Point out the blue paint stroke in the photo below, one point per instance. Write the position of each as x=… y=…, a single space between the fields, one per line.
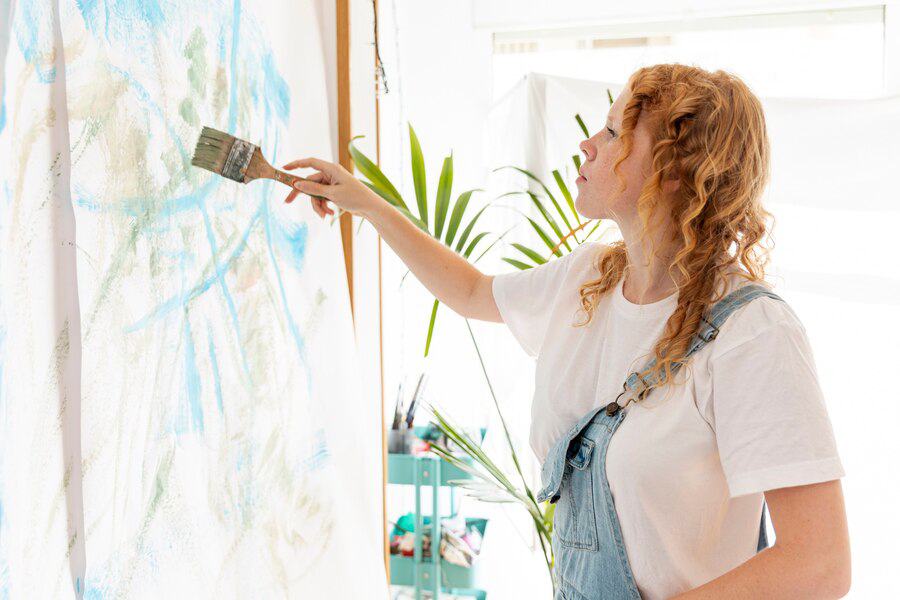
x=295 y=332
x=276 y=89
x=265 y=193
x=201 y=198
x=319 y=455
x=88 y=10
x=290 y=239
x=130 y=12
x=183 y=298
x=139 y=206
x=191 y=383
x=217 y=379
x=220 y=277
x=221 y=44
x=147 y=99
x=232 y=92
x=36 y=26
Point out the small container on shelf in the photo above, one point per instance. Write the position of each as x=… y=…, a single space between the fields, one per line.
x=428 y=469
x=454 y=579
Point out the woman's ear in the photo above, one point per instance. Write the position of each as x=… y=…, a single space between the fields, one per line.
x=671 y=183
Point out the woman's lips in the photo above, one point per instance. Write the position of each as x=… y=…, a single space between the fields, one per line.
x=580 y=178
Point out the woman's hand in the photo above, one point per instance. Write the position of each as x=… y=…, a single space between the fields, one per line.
x=334 y=183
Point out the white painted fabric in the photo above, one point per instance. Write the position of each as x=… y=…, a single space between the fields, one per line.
x=687 y=468
x=181 y=414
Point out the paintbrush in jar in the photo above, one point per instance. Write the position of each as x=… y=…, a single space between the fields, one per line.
x=236 y=159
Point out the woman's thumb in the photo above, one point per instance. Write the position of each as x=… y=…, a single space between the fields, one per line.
x=310 y=187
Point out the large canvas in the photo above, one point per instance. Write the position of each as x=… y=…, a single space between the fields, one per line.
x=180 y=414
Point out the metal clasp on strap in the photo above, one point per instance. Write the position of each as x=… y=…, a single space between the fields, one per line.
x=613 y=407
x=712 y=335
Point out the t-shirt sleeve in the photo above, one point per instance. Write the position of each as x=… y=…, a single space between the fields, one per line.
x=772 y=426
x=526 y=299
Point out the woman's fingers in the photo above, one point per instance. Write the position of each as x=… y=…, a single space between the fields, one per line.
x=312 y=188
x=321 y=207
x=317 y=186
x=315 y=163
x=315 y=177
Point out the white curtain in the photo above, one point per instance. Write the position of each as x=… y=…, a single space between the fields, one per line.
x=180 y=415
x=835 y=260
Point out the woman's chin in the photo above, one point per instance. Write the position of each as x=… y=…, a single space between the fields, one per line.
x=587 y=212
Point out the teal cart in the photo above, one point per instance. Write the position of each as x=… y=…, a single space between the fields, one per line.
x=434 y=574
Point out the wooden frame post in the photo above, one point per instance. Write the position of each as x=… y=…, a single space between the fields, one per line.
x=342 y=15
x=343 y=96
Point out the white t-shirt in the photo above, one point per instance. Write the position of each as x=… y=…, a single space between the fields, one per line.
x=688 y=465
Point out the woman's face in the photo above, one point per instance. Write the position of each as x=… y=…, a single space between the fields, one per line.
x=598 y=189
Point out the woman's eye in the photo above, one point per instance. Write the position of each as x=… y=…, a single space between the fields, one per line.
x=611 y=132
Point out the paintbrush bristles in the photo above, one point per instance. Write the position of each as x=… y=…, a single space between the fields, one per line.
x=234 y=158
x=212 y=149
x=224 y=154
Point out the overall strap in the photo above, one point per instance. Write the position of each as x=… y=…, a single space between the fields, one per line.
x=716 y=316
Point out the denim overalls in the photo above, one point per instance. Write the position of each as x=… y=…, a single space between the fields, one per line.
x=590 y=559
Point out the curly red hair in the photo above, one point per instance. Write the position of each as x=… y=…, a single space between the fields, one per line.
x=709 y=132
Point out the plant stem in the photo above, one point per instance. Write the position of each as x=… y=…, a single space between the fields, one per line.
x=567 y=236
x=539 y=526
x=497 y=405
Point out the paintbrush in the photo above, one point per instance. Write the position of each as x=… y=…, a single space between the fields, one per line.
x=237 y=159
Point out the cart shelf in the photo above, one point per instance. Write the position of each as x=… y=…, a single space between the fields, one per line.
x=438 y=576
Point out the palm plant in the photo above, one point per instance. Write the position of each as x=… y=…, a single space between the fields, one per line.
x=567 y=230
x=382 y=186
x=490 y=484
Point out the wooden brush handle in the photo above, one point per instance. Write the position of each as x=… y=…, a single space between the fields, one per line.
x=289 y=179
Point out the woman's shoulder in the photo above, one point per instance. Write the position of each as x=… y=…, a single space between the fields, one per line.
x=585 y=254
x=755 y=317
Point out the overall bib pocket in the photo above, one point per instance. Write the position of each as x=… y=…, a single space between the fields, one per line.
x=574 y=519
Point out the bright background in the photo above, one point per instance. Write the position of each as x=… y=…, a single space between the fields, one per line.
x=829 y=75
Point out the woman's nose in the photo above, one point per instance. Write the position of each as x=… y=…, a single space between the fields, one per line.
x=585 y=147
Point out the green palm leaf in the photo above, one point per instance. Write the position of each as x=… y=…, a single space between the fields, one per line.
x=380 y=184
x=468 y=230
x=565 y=192
x=431 y=326
x=581 y=124
x=556 y=229
x=546 y=190
x=443 y=196
x=418 y=171
x=599 y=222
x=517 y=264
x=474 y=243
x=537 y=258
x=459 y=208
x=546 y=238
x=499 y=237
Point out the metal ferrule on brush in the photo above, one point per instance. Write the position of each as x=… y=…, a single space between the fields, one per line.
x=238 y=160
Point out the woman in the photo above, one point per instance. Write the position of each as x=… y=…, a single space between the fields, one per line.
x=670 y=505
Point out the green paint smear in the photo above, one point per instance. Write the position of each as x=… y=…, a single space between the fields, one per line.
x=188 y=113
x=195 y=52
